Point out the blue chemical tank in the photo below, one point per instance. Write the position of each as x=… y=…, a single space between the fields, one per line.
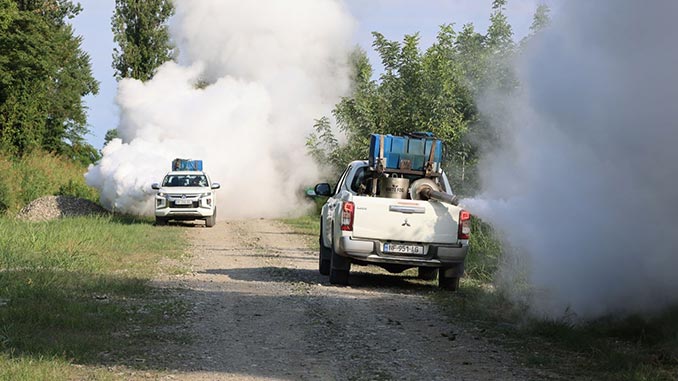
x=186 y=165
x=399 y=150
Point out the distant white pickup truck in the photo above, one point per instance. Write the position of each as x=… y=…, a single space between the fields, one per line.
x=185 y=196
x=395 y=234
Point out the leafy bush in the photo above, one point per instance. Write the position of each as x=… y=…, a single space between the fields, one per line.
x=484 y=251
x=77 y=189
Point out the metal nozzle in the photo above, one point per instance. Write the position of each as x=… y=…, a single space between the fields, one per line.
x=427 y=193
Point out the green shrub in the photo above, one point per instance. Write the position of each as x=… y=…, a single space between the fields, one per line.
x=484 y=251
x=78 y=189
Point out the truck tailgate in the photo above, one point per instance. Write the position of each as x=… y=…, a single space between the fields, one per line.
x=405 y=220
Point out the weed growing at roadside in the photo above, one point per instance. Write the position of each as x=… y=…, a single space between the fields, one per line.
x=484 y=252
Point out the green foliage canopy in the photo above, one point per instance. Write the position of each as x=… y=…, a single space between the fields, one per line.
x=434 y=90
x=110 y=135
x=44 y=74
x=141 y=32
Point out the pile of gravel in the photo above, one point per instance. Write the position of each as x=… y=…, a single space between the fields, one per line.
x=53 y=207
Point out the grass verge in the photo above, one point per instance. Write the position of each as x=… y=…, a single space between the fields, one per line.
x=307 y=225
x=76 y=292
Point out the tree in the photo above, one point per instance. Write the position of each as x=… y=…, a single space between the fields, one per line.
x=499 y=33
x=141 y=32
x=541 y=18
x=43 y=76
x=356 y=119
x=418 y=91
x=110 y=135
x=499 y=74
x=472 y=55
x=435 y=91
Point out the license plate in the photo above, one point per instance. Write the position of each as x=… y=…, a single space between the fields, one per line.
x=403 y=249
x=183 y=202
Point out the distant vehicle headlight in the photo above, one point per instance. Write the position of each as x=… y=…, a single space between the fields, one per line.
x=206 y=194
x=161 y=194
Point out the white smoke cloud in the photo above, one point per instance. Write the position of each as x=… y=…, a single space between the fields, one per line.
x=271 y=68
x=583 y=188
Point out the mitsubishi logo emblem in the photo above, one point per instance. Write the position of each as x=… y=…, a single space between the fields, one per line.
x=184 y=197
x=406 y=223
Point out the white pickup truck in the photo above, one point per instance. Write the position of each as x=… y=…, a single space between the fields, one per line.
x=184 y=196
x=395 y=234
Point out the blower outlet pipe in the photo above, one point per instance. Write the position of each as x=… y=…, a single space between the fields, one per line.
x=427 y=193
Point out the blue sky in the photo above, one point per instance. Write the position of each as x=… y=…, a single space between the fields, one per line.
x=393 y=18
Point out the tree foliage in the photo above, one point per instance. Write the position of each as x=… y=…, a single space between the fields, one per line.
x=110 y=135
x=434 y=90
x=541 y=19
x=44 y=74
x=141 y=32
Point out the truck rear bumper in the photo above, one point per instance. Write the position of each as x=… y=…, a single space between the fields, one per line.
x=436 y=255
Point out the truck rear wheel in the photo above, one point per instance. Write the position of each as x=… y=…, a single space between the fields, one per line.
x=339 y=268
x=324 y=256
x=427 y=273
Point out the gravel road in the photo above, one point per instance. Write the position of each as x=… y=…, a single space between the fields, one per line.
x=263 y=312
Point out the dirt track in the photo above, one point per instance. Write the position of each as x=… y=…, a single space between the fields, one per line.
x=262 y=311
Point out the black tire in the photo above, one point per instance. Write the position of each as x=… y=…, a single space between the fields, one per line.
x=324 y=256
x=211 y=220
x=448 y=283
x=427 y=273
x=160 y=221
x=339 y=268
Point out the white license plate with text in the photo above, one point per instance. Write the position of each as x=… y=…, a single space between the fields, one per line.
x=396 y=248
x=183 y=202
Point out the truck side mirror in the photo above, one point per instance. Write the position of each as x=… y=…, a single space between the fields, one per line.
x=216 y=186
x=323 y=189
x=155 y=186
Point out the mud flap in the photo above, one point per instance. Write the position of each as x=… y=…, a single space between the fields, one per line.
x=456 y=271
x=340 y=262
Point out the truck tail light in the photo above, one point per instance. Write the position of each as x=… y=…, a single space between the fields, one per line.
x=464 y=225
x=347 y=213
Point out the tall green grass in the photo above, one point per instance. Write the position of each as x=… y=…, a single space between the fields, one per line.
x=75 y=288
x=484 y=252
x=93 y=244
x=40 y=174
